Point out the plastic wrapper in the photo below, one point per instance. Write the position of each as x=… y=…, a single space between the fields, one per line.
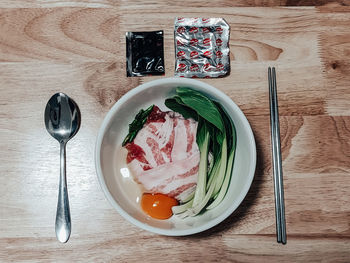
x=201 y=47
x=144 y=53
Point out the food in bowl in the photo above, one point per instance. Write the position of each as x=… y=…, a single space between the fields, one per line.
x=181 y=159
x=124 y=194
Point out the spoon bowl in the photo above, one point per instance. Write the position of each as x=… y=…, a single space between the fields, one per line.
x=62 y=117
x=62 y=121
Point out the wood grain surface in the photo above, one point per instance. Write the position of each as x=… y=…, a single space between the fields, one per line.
x=78 y=47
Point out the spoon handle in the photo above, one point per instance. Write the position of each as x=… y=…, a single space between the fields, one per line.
x=63 y=223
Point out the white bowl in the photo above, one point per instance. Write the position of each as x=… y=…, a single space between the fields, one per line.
x=109 y=160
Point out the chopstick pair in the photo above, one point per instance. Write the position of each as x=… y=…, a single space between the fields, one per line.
x=277 y=159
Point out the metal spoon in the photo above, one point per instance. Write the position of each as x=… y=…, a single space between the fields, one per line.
x=62 y=121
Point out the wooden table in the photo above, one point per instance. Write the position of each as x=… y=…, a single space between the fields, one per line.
x=78 y=47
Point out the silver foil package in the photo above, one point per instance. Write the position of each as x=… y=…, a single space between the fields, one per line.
x=201 y=47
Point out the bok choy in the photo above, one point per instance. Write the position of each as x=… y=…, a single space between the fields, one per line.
x=216 y=137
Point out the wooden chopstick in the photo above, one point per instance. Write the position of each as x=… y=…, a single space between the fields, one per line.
x=277 y=159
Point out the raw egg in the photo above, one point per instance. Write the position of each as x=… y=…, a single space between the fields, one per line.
x=158 y=205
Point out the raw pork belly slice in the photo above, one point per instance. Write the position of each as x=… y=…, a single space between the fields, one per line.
x=164 y=156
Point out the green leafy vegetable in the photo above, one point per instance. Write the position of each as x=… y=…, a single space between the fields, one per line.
x=203 y=144
x=182 y=208
x=220 y=175
x=175 y=104
x=202 y=105
x=216 y=136
x=231 y=143
x=137 y=124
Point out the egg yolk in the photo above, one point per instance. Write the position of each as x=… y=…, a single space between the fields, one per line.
x=158 y=205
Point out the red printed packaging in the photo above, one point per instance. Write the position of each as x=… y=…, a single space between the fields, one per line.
x=201 y=47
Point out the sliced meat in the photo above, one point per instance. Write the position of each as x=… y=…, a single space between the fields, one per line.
x=164 y=156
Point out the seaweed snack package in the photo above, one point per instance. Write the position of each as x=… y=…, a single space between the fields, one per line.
x=144 y=53
x=201 y=47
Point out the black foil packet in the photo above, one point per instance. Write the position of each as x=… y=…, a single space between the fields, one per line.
x=144 y=53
